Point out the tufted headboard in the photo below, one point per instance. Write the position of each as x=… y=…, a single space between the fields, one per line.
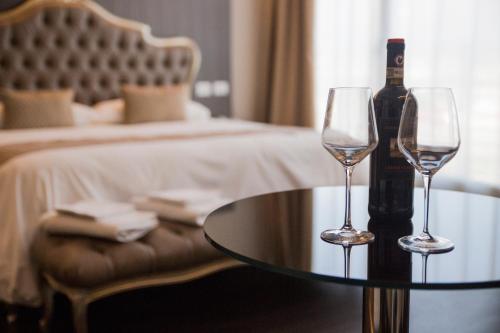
x=53 y=44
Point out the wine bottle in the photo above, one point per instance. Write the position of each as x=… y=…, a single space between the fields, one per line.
x=391 y=176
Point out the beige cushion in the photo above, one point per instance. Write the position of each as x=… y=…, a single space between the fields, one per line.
x=88 y=262
x=35 y=109
x=83 y=115
x=162 y=103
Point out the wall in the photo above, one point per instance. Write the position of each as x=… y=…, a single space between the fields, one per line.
x=206 y=21
x=8 y=4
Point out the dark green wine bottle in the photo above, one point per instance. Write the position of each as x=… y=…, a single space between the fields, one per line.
x=391 y=176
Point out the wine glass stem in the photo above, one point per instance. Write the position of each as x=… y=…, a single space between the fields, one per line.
x=427 y=188
x=348 y=175
x=347 y=261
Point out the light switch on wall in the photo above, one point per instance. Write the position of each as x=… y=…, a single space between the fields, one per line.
x=220 y=88
x=203 y=89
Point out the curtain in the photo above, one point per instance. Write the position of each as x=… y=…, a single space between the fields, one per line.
x=285 y=62
x=451 y=43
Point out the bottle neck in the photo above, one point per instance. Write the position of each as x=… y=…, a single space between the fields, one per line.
x=395 y=65
x=394 y=82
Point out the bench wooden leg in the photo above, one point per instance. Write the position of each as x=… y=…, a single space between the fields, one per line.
x=11 y=315
x=79 y=304
x=48 y=307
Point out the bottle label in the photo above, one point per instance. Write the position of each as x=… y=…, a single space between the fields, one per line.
x=395 y=66
x=395 y=72
x=395 y=166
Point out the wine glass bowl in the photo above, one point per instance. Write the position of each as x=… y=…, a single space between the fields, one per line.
x=428 y=137
x=349 y=135
x=349 y=131
x=428 y=133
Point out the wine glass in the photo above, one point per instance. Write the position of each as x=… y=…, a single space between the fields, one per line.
x=428 y=137
x=349 y=134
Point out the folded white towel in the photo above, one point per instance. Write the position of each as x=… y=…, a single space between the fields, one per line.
x=95 y=209
x=184 y=197
x=193 y=214
x=122 y=228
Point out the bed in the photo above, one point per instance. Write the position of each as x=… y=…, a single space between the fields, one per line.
x=53 y=44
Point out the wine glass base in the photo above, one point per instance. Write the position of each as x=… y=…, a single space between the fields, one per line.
x=347 y=237
x=424 y=245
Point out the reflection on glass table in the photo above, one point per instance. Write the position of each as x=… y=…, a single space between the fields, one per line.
x=280 y=232
x=347 y=261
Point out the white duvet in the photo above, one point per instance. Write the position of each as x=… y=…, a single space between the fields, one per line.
x=263 y=159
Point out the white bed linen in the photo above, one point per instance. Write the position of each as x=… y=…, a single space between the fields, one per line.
x=238 y=165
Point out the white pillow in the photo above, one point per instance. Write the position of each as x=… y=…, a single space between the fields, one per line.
x=197 y=112
x=82 y=114
x=112 y=112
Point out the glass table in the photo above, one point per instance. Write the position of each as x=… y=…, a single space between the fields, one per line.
x=280 y=232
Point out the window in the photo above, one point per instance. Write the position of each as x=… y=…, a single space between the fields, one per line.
x=452 y=43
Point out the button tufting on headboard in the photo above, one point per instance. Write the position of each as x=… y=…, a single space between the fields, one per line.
x=52 y=44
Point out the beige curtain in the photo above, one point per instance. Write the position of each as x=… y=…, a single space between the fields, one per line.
x=285 y=62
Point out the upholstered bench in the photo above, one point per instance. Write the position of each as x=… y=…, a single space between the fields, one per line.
x=86 y=269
